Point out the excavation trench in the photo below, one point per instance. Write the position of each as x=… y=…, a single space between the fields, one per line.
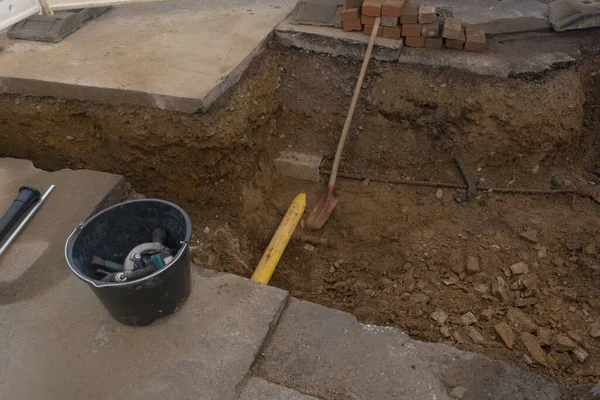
x=391 y=254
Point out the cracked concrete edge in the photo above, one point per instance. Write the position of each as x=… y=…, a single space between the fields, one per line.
x=258 y=388
x=334 y=41
x=240 y=387
x=234 y=76
x=34 y=87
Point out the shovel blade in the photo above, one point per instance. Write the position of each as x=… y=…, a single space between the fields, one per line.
x=323 y=209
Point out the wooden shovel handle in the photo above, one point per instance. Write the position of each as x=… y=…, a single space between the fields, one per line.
x=361 y=78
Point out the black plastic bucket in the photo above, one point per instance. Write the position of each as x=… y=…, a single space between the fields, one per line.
x=111 y=234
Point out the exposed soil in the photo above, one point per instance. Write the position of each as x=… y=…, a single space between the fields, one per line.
x=390 y=254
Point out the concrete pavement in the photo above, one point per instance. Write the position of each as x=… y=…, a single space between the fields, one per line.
x=175 y=55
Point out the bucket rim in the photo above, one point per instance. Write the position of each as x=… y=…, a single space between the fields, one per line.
x=99 y=284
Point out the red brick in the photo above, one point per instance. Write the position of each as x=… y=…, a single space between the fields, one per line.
x=392 y=8
x=427 y=15
x=456 y=44
x=391 y=33
x=430 y=30
x=368 y=20
x=411 y=30
x=410 y=14
x=475 y=39
x=352 y=26
x=369 y=29
x=352 y=4
x=414 y=41
x=452 y=28
x=434 y=42
x=351 y=14
x=372 y=7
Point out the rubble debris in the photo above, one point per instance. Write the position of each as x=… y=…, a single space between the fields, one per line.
x=506 y=334
x=519 y=268
x=472 y=265
x=468 y=318
x=563 y=344
x=520 y=320
x=534 y=348
x=530 y=236
x=439 y=315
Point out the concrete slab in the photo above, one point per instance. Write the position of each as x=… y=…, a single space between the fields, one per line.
x=334 y=41
x=176 y=55
x=522 y=54
x=499 y=17
x=34 y=263
x=62 y=344
x=327 y=353
x=258 y=389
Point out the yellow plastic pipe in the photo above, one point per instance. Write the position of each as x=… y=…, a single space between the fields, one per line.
x=282 y=236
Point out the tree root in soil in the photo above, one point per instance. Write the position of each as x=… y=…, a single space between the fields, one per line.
x=491 y=189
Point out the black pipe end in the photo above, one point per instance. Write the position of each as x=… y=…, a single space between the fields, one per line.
x=36 y=193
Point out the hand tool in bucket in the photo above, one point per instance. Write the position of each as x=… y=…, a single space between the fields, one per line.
x=320 y=214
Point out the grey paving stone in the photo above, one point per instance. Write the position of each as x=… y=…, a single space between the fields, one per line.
x=329 y=354
x=258 y=389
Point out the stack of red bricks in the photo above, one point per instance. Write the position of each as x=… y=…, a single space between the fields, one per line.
x=419 y=25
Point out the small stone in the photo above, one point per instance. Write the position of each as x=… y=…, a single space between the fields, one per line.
x=458 y=392
x=211 y=260
x=439 y=315
x=475 y=335
x=595 y=329
x=365 y=183
x=544 y=336
x=460 y=338
x=520 y=320
x=472 y=265
x=543 y=252
x=419 y=298
x=309 y=247
x=563 y=344
x=196 y=261
x=526 y=302
x=527 y=359
x=332 y=269
x=439 y=193
x=428 y=233
x=206 y=230
x=506 y=334
x=341 y=287
x=534 y=348
x=468 y=319
x=501 y=291
x=570 y=295
x=580 y=353
x=487 y=314
x=530 y=236
x=558 y=262
x=590 y=249
x=574 y=336
x=451 y=280
x=530 y=281
x=519 y=268
x=445 y=331
x=70 y=138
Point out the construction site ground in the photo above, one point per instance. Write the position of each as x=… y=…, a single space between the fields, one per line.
x=455 y=276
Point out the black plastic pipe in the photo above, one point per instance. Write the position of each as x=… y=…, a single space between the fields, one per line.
x=26 y=197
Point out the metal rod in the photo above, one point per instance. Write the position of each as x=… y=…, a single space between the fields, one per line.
x=25 y=220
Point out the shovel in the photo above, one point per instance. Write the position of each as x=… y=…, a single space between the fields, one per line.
x=320 y=214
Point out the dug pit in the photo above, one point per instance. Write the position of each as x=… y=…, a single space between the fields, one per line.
x=510 y=276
